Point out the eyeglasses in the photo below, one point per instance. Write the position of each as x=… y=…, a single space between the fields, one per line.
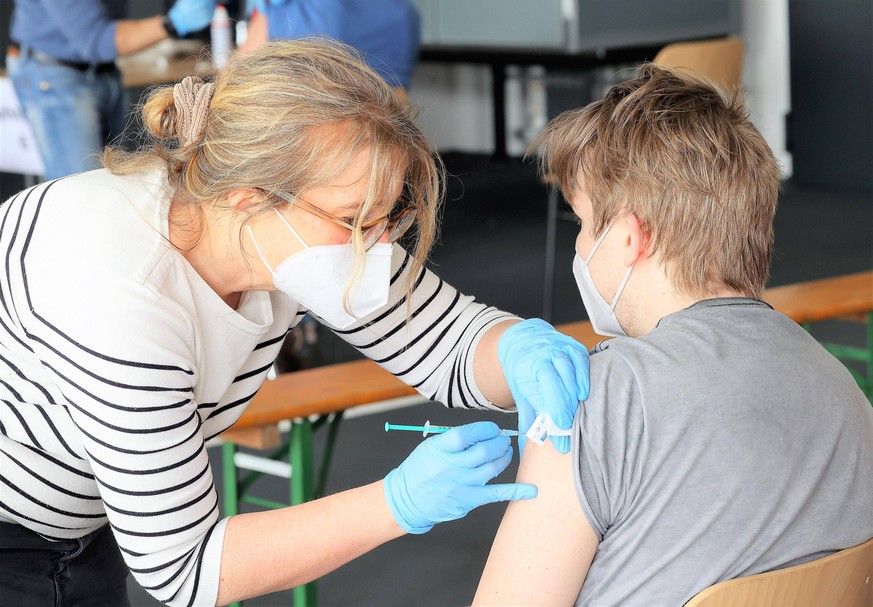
x=397 y=223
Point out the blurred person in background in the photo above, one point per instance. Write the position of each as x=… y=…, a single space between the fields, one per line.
x=386 y=32
x=62 y=65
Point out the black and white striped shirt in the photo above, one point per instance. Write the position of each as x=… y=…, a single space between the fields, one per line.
x=118 y=362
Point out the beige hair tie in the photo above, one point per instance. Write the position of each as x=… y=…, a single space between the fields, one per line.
x=191 y=97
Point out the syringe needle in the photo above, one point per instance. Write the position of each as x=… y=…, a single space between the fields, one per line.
x=428 y=429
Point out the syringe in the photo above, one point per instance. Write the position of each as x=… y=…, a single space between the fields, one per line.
x=428 y=429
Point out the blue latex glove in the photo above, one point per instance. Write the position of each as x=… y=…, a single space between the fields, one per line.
x=191 y=15
x=444 y=477
x=547 y=372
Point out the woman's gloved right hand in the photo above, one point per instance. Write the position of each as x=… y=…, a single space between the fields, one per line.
x=445 y=477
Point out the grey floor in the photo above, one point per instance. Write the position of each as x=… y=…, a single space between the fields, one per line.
x=492 y=246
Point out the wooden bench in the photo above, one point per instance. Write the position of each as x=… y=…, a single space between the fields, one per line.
x=315 y=397
x=849 y=296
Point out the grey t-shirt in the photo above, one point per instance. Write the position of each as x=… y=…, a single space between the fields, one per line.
x=724 y=443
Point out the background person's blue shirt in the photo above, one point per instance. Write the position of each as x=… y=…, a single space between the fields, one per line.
x=387 y=32
x=81 y=31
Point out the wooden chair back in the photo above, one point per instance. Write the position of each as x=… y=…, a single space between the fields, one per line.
x=720 y=59
x=841 y=579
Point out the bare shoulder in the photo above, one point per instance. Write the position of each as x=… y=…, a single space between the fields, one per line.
x=545 y=545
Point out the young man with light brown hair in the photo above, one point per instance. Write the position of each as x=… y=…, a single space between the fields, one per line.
x=719 y=439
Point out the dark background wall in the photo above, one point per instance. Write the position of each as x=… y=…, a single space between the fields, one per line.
x=5 y=14
x=831 y=125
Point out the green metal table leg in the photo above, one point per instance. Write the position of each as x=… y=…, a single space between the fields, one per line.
x=301 y=461
x=231 y=485
x=231 y=482
x=301 y=490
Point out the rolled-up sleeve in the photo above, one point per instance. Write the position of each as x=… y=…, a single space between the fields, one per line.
x=607 y=432
x=428 y=337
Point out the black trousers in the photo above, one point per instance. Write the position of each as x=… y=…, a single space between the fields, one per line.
x=84 y=572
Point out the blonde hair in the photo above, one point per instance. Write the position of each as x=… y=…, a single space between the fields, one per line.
x=289 y=117
x=683 y=156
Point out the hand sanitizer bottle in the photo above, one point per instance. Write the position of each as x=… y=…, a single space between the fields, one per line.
x=222 y=38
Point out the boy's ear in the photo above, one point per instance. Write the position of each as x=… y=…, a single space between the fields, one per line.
x=243 y=199
x=637 y=240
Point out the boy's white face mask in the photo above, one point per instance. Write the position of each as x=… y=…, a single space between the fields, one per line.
x=316 y=277
x=601 y=313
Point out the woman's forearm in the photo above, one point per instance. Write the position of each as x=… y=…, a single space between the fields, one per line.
x=134 y=35
x=279 y=549
x=487 y=369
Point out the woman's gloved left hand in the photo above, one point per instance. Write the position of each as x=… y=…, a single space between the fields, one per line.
x=547 y=372
x=444 y=477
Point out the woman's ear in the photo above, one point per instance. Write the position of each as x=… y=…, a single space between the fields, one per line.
x=637 y=240
x=243 y=199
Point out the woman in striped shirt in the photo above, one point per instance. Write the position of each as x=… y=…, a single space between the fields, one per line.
x=143 y=304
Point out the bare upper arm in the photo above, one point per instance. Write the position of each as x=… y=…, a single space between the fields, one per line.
x=544 y=546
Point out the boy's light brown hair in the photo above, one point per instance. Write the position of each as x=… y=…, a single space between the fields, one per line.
x=683 y=156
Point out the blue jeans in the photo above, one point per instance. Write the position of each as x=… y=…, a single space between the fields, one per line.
x=73 y=112
x=85 y=572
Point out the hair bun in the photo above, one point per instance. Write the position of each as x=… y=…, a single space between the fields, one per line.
x=180 y=111
x=159 y=114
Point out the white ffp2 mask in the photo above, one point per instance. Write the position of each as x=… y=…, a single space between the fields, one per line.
x=600 y=313
x=317 y=278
